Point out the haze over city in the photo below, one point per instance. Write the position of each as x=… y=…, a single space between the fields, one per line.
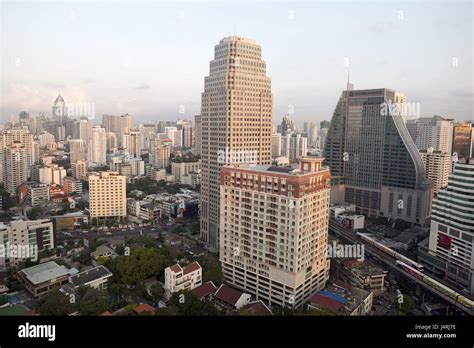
x=148 y=59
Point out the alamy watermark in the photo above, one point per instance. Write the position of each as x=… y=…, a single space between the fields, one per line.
x=77 y=110
x=19 y=251
x=230 y=156
x=409 y=110
x=345 y=251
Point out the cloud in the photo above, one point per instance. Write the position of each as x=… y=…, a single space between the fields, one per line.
x=143 y=86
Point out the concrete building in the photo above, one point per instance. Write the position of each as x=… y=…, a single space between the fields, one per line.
x=276 y=145
x=437 y=166
x=180 y=169
x=119 y=125
x=179 y=278
x=43 y=279
x=311 y=132
x=96 y=277
x=159 y=155
x=52 y=174
x=79 y=170
x=98 y=148
x=28 y=237
x=77 y=149
x=237 y=92
x=131 y=142
x=274 y=224
x=435 y=132
x=374 y=161
x=449 y=252
x=107 y=195
x=15 y=166
x=72 y=185
x=294 y=146
x=197 y=134
x=463 y=140
x=37 y=194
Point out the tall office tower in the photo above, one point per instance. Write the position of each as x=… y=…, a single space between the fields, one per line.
x=311 y=132
x=159 y=155
x=112 y=142
x=186 y=129
x=132 y=143
x=79 y=169
x=294 y=146
x=322 y=134
x=83 y=130
x=52 y=174
x=236 y=115
x=59 y=109
x=70 y=127
x=276 y=145
x=77 y=149
x=119 y=125
x=449 y=252
x=373 y=160
x=107 y=195
x=22 y=135
x=437 y=167
x=435 y=132
x=197 y=134
x=98 y=146
x=287 y=126
x=463 y=140
x=274 y=230
x=15 y=166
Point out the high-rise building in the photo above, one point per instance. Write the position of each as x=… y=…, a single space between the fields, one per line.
x=59 y=109
x=274 y=230
x=311 y=132
x=131 y=142
x=463 y=140
x=236 y=115
x=98 y=148
x=323 y=133
x=83 y=130
x=52 y=174
x=79 y=170
x=15 y=166
x=107 y=195
x=186 y=129
x=287 y=126
x=197 y=134
x=72 y=185
x=294 y=146
x=437 y=167
x=46 y=139
x=276 y=145
x=112 y=142
x=23 y=136
x=449 y=251
x=435 y=132
x=159 y=155
x=77 y=149
x=119 y=125
x=373 y=160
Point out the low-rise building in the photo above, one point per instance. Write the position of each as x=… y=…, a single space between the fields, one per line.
x=184 y=168
x=42 y=279
x=179 y=278
x=72 y=185
x=97 y=277
x=37 y=194
x=102 y=251
x=230 y=299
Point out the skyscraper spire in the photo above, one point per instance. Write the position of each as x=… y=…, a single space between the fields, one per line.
x=349 y=86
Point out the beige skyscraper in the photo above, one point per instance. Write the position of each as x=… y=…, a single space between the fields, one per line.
x=273 y=230
x=131 y=142
x=437 y=166
x=236 y=116
x=98 y=147
x=107 y=195
x=119 y=125
x=77 y=149
x=79 y=170
x=197 y=134
x=15 y=166
x=159 y=154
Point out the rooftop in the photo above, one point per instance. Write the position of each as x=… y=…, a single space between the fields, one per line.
x=228 y=295
x=89 y=275
x=204 y=290
x=44 y=272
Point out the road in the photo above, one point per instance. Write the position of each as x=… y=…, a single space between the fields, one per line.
x=389 y=261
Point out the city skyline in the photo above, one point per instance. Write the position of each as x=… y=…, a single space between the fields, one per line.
x=102 y=62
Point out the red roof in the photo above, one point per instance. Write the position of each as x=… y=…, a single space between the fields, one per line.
x=144 y=308
x=106 y=314
x=191 y=267
x=167 y=140
x=176 y=268
x=204 y=290
x=326 y=302
x=258 y=308
x=228 y=295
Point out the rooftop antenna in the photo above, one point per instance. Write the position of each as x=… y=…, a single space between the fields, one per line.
x=349 y=86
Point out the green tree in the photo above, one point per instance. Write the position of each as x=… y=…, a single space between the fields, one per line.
x=157 y=291
x=407 y=306
x=56 y=304
x=213 y=274
x=186 y=303
x=94 y=302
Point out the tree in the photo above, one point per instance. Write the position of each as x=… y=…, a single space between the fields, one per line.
x=406 y=307
x=56 y=304
x=213 y=274
x=186 y=303
x=157 y=291
x=94 y=302
x=35 y=212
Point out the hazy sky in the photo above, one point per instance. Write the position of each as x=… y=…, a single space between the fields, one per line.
x=148 y=58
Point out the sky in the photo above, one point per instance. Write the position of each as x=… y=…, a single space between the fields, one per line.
x=149 y=59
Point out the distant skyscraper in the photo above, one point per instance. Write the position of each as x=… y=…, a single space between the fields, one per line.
x=276 y=145
x=463 y=140
x=236 y=113
x=284 y=262
x=197 y=134
x=373 y=161
x=59 y=109
x=79 y=170
x=311 y=132
x=435 y=132
x=77 y=149
x=98 y=147
x=83 y=130
x=294 y=146
x=159 y=154
x=185 y=127
x=287 y=126
x=15 y=166
x=132 y=143
x=119 y=125
x=449 y=252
